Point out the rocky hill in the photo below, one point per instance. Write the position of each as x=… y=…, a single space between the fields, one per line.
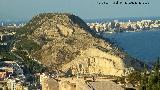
x=63 y=41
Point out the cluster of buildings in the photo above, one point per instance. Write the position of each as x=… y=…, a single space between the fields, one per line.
x=117 y=26
x=11 y=76
x=12 y=25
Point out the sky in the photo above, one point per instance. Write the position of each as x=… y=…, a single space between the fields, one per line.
x=86 y=9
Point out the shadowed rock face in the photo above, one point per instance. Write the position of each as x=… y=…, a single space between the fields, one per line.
x=64 y=40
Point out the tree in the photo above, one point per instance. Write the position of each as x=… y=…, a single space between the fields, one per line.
x=152 y=80
x=144 y=79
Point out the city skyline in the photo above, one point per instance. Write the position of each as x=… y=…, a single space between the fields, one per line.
x=86 y=9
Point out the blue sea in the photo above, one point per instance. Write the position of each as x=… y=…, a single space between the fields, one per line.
x=144 y=45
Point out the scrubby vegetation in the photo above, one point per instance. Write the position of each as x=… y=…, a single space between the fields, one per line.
x=146 y=79
x=151 y=80
x=30 y=65
x=28 y=45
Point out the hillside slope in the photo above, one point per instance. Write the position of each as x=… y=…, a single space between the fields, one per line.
x=62 y=41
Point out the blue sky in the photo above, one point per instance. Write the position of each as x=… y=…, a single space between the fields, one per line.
x=86 y=9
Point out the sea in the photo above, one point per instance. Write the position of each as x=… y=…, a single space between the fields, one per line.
x=143 y=45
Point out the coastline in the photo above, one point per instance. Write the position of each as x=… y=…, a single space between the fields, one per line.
x=113 y=32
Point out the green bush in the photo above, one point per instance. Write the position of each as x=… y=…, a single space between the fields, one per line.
x=28 y=45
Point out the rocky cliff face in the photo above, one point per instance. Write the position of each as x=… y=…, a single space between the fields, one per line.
x=95 y=61
x=63 y=41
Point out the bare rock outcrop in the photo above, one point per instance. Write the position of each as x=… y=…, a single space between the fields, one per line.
x=95 y=61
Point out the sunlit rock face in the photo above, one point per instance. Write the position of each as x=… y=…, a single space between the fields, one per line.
x=95 y=61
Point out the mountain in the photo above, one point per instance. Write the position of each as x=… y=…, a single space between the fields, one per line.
x=64 y=41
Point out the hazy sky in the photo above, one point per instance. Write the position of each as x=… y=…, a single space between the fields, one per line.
x=86 y=9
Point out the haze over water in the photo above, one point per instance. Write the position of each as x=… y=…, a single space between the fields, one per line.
x=144 y=45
